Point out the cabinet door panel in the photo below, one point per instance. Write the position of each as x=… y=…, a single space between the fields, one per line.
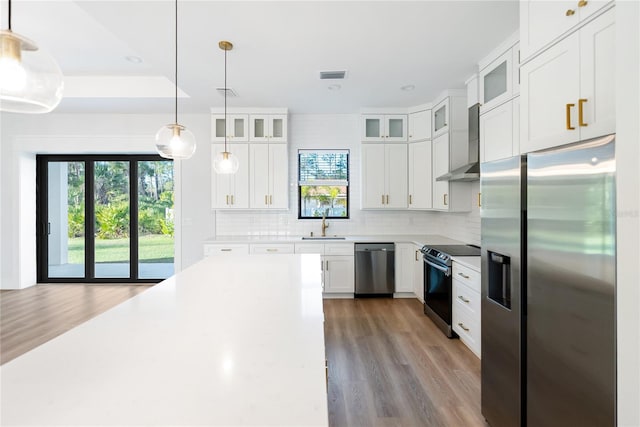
x=496 y=81
x=543 y=21
x=279 y=176
x=420 y=125
x=259 y=127
x=404 y=267
x=597 y=79
x=220 y=183
x=420 y=177
x=339 y=274
x=373 y=128
x=239 y=182
x=373 y=164
x=440 y=115
x=440 y=167
x=396 y=128
x=259 y=176
x=549 y=82
x=418 y=274
x=278 y=128
x=496 y=133
x=396 y=173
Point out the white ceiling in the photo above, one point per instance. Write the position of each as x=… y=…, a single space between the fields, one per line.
x=279 y=49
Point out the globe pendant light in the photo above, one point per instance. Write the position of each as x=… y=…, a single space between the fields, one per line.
x=174 y=141
x=30 y=80
x=225 y=162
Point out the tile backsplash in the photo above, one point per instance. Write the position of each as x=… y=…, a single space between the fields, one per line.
x=341 y=131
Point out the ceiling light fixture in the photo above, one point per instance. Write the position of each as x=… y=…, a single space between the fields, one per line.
x=174 y=141
x=133 y=59
x=225 y=162
x=30 y=80
x=408 y=88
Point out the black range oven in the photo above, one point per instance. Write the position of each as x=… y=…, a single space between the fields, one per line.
x=438 y=282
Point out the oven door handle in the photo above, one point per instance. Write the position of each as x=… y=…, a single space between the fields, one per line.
x=445 y=270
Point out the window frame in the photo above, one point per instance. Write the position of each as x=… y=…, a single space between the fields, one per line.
x=329 y=183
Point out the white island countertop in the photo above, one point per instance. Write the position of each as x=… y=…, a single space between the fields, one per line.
x=225 y=342
x=418 y=239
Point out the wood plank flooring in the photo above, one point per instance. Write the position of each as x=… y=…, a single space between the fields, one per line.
x=32 y=316
x=388 y=363
x=390 y=366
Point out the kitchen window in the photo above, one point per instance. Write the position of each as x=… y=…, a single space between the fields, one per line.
x=323 y=184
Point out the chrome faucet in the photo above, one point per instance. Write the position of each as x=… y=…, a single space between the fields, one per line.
x=325 y=225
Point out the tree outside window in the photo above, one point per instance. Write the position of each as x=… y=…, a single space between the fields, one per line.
x=323 y=183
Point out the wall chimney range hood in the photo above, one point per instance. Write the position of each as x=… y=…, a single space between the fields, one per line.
x=470 y=171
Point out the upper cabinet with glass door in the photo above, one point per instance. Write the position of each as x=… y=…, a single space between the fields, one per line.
x=384 y=128
x=268 y=128
x=236 y=127
x=499 y=79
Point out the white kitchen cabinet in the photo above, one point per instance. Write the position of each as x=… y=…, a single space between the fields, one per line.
x=496 y=133
x=449 y=196
x=568 y=90
x=420 y=125
x=214 y=249
x=231 y=191
x=404 y=268
x=544 y=22
x=466 y=317
x=268 y=176
x=337 y=264
x=236 y=127
x=418 y=273
x=271 y=248
x=420 y=176
x=384 y=176
x=496 y=81
x=473 y=95
x=268 y=127
x=384 y=127
x=441 y=117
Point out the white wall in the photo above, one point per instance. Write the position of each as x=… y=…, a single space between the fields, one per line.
x=628 y=200
x=24 y=136
x=342 y=131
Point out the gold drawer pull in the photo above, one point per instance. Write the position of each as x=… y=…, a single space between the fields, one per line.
x=569 y=127
x=383 y=199
x=272 y=250
x=479 y=200
x=582 y=3
x=463 y=327
x=460 y=297
x=570 y=12
x=410 y=199
x=226 y=250
x=444 y=199
x=580 y=112
x=463 y=275
x=387 y=199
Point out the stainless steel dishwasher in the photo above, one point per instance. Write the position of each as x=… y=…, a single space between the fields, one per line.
x=375 y=269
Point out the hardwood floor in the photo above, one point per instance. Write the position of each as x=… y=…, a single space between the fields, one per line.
x=32 y=316
x=388 y=363
x=390 y=366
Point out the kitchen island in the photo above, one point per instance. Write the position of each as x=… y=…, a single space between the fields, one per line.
x=229 y=341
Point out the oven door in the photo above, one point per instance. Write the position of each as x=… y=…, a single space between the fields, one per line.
x=437 y=294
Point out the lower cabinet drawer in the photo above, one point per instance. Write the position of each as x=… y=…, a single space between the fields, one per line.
x=220 y=249
x=466 y=298
x=279 y=248
x=309 y=248
x=467 y=328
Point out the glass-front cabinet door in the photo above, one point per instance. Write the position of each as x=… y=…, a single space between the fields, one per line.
x=237 y=128
x=496 y=81
x=441 y=117
x=396 y=128
x=384 y=128
x=372 y=128
x=268 y=128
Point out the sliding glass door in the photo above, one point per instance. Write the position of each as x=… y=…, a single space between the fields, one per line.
x=105 y=218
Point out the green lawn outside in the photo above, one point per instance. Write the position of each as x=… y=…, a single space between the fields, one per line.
x=152 y=248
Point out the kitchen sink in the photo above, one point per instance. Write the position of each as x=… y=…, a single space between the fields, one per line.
x=323 y=238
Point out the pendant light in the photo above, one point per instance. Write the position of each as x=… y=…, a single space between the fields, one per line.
x=174 y=141
x=30 y=80
x=225 y=162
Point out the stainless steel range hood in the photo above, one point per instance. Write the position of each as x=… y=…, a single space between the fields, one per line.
x=470 y=171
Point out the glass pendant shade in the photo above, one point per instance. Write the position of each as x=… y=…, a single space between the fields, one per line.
x=30 y=80
x=176 y=142
x=226 y=162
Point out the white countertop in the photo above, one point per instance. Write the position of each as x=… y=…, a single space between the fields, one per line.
x=473 y=262
x=424 y=239
x=225 y=342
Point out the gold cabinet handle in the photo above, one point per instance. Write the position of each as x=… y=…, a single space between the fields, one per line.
x=582 y=3
x=479 y=199
x=460 y=297
x=581 y=102
x=383 y=199
x=232 y=202
x=327 y=265
x=272 y=250
x=416 y=256
x=463 y=327
x=387 y=199
x=445 y=199
x=569 y=127
x=226 y=250
x=227 y=199
x=463 y=275
x=570 y=12
x=410 y=199
x=270 y=199
x=266 y=200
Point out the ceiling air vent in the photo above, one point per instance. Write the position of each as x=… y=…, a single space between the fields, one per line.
x=230 y=92
x=332 y=75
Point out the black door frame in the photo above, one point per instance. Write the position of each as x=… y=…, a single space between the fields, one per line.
x=42 y=215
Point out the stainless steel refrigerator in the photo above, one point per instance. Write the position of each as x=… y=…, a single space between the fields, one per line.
x=548 y=287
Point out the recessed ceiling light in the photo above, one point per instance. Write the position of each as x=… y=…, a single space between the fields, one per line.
x=408 y=88
x=133 y=59
x=334 y=87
